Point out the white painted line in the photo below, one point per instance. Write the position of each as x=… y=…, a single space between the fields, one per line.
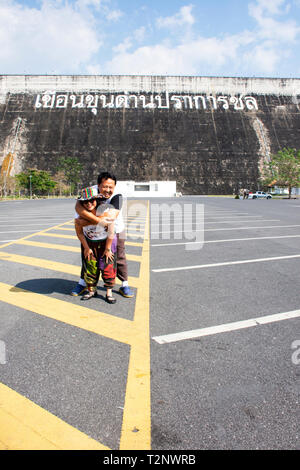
x=233 y=228
x=232 y=217
x=228 y=263
x=240 y=217
x=38 y=216
x=246 y=228
x=229 y=228
x=170 y=224
x=227 y=240
x=19 y=231
x=28 y=225
x=226 y=327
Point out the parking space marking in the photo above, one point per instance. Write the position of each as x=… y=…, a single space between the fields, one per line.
x=103 y=324
x=226 y=240
x=27 y=426
x=226 y=327
x=227 y=263
x=73 y=249
x=180 y=224
x=263 y=227
x=225 y=229
x=35 y=234
x=53 y=265
x=18 y=231
x=29 y=225
x=136 y=425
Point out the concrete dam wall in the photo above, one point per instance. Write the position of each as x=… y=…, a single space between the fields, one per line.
x=210 y=134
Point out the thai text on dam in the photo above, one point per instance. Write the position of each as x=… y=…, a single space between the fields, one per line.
x=50 y=100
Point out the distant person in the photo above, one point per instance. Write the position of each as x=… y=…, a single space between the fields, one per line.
x=99 y=246
x=106 y=186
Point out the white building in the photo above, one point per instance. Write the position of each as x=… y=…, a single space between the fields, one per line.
x=147 y=189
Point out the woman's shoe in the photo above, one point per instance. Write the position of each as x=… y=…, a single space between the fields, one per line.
x=109 y=299
x=89 y=295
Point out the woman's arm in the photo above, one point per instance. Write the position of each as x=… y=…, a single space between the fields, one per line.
x=79 y=232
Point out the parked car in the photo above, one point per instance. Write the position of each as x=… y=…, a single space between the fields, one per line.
x=259 y=195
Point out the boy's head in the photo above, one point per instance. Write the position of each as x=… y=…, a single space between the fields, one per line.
x=106 y=184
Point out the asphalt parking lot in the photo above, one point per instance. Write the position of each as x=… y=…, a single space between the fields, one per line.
x=206 y=355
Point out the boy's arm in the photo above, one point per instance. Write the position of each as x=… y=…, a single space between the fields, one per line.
x=110 y=236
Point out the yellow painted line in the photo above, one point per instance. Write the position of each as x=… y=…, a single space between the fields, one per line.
x=27 y=426
x=53 y=265
x=53 y=246
x=133 y=244
x=136 y=426
x=57 y=235
x=139 y=224
x=42 y=232
x=73 y=249
x=71 y=237
x=131 y=235
x=103 y=324
x=138 y=219
x=73 y=229
x=136 y=258
x=41 y=263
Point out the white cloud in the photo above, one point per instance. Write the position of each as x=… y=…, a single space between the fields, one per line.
x=52 y=39
x=183 y=17
x=139 y=34
x=66 y=36
x=272 y=7
x=259 y=51
x=123 y=46
x=263 y=11
x=113 y=15
x=190 y=57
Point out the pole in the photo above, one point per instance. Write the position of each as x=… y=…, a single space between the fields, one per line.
x=30 y=176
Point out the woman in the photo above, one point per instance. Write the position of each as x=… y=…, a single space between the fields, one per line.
x=99 y=246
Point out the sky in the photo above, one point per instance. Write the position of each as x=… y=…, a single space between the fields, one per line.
x=255 y=38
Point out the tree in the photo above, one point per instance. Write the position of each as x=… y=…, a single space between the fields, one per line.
x=36 y=181
x=282 y=170
x=71 y=168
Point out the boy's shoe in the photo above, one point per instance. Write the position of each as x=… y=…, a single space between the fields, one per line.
x=78 y=290
x=126 y=292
